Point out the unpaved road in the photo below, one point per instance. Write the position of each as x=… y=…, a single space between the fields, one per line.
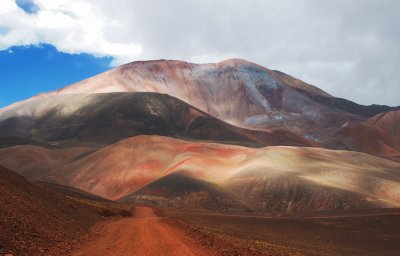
x=143 y=234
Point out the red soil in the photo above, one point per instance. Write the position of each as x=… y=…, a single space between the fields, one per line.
x=377 y=136
x=144 y=234
x=387 y=121
x=34 y=218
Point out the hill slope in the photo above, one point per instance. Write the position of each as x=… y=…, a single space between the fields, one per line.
x=103 y=119
x=34 y=219
x=268 y=179
x=180 y=191
x=379 y=135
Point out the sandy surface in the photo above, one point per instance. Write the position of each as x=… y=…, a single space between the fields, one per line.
x=143 y=234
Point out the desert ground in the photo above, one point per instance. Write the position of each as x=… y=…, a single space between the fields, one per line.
x=152 y=231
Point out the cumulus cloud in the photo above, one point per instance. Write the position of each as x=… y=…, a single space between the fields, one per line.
x=351 y=49
x=71 y=26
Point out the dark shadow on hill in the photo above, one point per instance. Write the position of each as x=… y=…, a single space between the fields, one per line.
x=183 y=192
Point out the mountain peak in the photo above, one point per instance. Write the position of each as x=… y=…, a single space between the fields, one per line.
x=235 y=61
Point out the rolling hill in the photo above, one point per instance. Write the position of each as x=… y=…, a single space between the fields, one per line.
x=274 y=178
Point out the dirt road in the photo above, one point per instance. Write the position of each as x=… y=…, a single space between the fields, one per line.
x=143 y=234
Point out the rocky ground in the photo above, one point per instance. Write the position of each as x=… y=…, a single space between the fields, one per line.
x=35 y=220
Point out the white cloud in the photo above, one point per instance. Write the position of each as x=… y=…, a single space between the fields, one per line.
x=349 y=48
x=71 y=26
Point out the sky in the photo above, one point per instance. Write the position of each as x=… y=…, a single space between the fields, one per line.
x=30 y=70
x=351 y=49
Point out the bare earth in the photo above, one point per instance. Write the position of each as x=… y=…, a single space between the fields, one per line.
x=143 y=234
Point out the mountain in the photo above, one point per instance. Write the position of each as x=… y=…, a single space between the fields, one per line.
x=221 y=98
x=102 y=119
x=379 y=135
x=387 y=121
x=275 y=178
x=236 y=91
x=240 y=136
x=349 y=106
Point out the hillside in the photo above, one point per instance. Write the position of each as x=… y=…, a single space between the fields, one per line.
x=183 y=192
x=102 y=119
x=35 y=220
x=268 y=179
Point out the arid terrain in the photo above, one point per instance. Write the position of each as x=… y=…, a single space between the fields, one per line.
x=167 y=157
x=343 y=233
x=36 y=217
x=143 y=234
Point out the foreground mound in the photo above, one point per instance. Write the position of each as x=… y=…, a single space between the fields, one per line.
x=34 y=218
x=180 y=191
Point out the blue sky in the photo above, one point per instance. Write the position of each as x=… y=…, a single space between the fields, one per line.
x=29 y=70
x=28 y=6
